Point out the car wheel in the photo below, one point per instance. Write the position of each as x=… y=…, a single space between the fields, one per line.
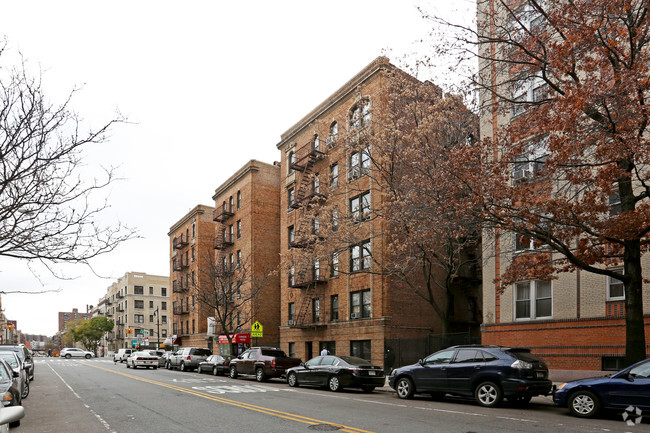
x=25 y=390
x=135 y=367
x=215 y=371
x=405 y=388
x=182 y=367
x=233 y=373
x=520 y=401
x=88 y=356
x=292 y=379
x=488 y=394
x=584 y=404
x=334 y=383
x=168 y=366
x=14 y=424
x=127 y=365
x=68 y=356
x=198 y=370
x=260 y=376
x=155 y=368
x=367 y=388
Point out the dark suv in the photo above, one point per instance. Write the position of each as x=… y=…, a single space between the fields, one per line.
x=487 y=373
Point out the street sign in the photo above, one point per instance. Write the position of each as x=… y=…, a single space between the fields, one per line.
x=146 y=332
x=257 y=330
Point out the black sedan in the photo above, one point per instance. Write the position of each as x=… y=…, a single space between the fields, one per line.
x=337 y=372
x=215 y=364
x=628 y=390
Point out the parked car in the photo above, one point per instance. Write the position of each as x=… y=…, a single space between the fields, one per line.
x=337 y=372
x=10 y=416
x=122 y=354
x=161 y=356
x=263 y=363
x=24 y=354
x=73 y=352
x=188 y=358
x=8 y=389
x=586 y=397
x=216 y=364
x=487 y=373
x=22 y=381
x=142 y=358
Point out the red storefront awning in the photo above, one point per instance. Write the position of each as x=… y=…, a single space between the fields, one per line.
x=236 y=338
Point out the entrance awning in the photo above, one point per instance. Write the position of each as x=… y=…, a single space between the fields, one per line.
x=236 y=338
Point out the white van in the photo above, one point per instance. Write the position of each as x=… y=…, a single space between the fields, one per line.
x=122 y=354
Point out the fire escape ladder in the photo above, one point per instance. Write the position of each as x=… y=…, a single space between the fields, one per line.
x=303 y=313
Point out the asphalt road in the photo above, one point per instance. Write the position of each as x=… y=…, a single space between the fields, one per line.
x=97 y=396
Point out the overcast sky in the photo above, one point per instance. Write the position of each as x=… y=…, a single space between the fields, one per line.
x=207 y=85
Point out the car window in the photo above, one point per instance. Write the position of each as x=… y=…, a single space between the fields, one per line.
x=271 y=352
x=468 y=355
x=11 y=360
x=487 y=356
x=4 y=374
x=314 y=361
x=353 y=360
x=440 y=358
x=202 y=352
x=328 y=360
x=641 y=371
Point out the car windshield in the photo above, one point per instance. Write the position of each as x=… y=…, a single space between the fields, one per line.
x=273 y=352
x=18 y=352
x=4 y=374
x=11 y=360
x=202 y=352
x=352 y=360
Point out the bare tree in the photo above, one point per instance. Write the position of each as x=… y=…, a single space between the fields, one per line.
x=50 y=210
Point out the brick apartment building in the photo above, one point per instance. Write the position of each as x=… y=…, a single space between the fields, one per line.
x=246 y=254
x=138 y=304
x=575 y=322
x=191 y=245
x=66 y=317
x=338 y=300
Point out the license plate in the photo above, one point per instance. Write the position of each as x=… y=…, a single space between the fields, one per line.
x=371 y=373
x=539 y=374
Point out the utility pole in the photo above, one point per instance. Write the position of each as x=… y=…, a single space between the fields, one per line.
x=158 y=328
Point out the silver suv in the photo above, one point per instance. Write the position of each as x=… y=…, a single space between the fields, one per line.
x=122 y=354
x=24 y=354
x=188 y=358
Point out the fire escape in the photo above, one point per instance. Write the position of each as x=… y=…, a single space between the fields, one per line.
x=308 y=192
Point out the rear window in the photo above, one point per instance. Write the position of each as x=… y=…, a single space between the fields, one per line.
x=275 y=353
x=355 y=361
x=202 y=352
x=523 y=354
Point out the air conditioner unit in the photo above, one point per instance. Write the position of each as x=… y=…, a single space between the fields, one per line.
x=354 y=173
x=290 y=323
x=355 y=316
x=522 y=174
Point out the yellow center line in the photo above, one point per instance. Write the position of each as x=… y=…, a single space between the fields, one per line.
x=248 y=406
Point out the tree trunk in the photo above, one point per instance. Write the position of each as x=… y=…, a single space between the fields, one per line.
x=635 y=345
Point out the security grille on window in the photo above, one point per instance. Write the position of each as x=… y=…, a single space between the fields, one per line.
x=360 y=255
x=533 y=300
x=360 y=207
x=360 y=304
x=315 y=185
x=334 y=131
x=615 y=287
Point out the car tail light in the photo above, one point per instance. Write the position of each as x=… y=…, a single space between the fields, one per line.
x=189 y=358
x=7 y=396
x=273 y=363
x=522 y=365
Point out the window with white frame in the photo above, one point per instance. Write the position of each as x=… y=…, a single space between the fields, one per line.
x=527 y=92
x=360 y=207
x=531 y=162
x=292 y=276
x=335 y=264
x=316 y=270
x=360 y=115
x=533 y=300
x=334 y=132
x=615 y=287
x=360 y=304
x=292 y=235
x=335 y=220
x=359 y=163
x=291 y=159
x=360 y=255
x=334 y=175
x=290 y=197
x=316 y=143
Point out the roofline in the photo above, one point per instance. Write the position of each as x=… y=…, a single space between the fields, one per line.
x=197 y=210
x=249 y=167
x=366 y=73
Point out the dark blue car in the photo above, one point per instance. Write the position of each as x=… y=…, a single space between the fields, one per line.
x=586 y=397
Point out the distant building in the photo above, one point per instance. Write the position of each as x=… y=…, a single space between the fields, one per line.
x=65 y=318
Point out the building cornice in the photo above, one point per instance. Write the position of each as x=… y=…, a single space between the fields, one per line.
x=198 y=210
x=251 y=166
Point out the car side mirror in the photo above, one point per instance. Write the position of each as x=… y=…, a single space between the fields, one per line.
x=421 y=361
x=302 y=364
x=16 y=373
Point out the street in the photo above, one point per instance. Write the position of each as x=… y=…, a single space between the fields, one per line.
x=97 y=396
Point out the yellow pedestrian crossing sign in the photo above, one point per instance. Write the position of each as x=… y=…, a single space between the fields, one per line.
x=257 y=329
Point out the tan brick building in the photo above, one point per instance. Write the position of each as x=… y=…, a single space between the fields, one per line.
x=246 y=253
x=341 y=301
x=191 y=246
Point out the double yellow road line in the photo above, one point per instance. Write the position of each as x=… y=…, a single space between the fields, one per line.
x=247 y=406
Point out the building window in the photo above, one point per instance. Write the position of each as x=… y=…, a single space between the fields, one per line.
x=335 y=264
x=232 y=261
x=238 y=259
x=615 y=287
x=316 y=270
x=292 y=276
x=359 y=163
x=163 y=291
x=360 y=115
x=150 y=318
x=138 y=304
x=292 y=349
x=533 y=299
x=292 y=160
x=335 y=220
x=361 y=349
x=138 y=318
x=231 y=204
x=193 y=230
x=334 y=175
x=316 y=143
x=239 y=229
x=614 y=201
x=360 y=256
x=531 y=163
x=163 y=333
x=163 y=305
x=138 y=290
x=292 y=235
x=360 y=304
x=334 y=132
x=292 y=312
x=334 y=307
x=290 y=197
x=150 y=304
x=315 y=227
x=315 y=184
x=193 y=326
x=315 y=310
x=360 y=207
x=238 y=199
x=231 y=232
x=163 y=320
x=151 y=290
